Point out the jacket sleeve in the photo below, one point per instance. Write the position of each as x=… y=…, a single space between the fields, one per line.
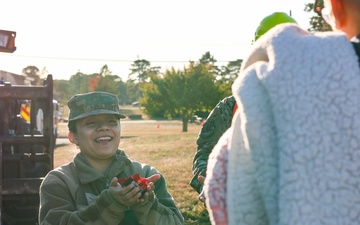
x=160 y=209
x=58 y=207
x=218 y=121
x=215 y=183
x=252 y=162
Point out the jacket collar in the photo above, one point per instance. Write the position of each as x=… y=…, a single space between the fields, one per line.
x=88 y=174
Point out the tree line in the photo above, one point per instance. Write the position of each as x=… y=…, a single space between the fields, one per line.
x=194 y=89
x=173 y=94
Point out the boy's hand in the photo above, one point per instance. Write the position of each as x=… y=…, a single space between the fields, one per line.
x=150 y=187
x=202 y=198
x=131 y=195
x=128 y=196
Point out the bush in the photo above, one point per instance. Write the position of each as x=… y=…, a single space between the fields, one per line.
x=135 y=117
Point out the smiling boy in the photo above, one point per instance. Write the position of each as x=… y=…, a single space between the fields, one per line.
x=87 y=190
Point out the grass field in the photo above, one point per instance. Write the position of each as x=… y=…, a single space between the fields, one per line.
x=163 y=145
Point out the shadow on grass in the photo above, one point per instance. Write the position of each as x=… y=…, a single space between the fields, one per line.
x=128 y=136
x=200 y=219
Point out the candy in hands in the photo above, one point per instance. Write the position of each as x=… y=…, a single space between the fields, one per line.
x=137 y=180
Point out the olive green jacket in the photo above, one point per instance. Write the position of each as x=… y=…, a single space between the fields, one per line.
x=76 y=193
x=218 y=121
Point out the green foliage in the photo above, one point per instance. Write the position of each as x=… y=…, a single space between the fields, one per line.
x=181 y=93
x=317 y=23
x=226 y=76
x=82 y=83
x=109 y=83
x=123 y=97
x=132 y=91
x=175 y=94
x=207 y=58
x=62 y=91
x=201 y=86
x=105 y=71
x=231 y=71
x=140 y=70
x=154 y=100
x=79 y=83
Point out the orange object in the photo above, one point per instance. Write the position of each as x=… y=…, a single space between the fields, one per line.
x=25 y=112
x=234 y=109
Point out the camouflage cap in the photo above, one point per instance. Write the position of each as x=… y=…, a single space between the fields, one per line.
x=93 y=103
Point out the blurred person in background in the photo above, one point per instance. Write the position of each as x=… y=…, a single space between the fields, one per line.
x=220 y=118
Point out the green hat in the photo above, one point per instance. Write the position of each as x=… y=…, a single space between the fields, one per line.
x=271 y=21
x=93 y=103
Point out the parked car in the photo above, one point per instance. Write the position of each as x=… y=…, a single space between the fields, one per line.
x=135 y=104
x=196 y=119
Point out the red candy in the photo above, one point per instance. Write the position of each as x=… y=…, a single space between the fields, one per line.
x=137 y=180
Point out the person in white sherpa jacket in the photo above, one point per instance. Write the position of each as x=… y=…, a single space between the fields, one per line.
x=295 y=156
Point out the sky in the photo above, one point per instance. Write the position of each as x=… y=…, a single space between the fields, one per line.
x=70 y=36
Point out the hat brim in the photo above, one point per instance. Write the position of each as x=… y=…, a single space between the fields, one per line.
x=98 y=112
